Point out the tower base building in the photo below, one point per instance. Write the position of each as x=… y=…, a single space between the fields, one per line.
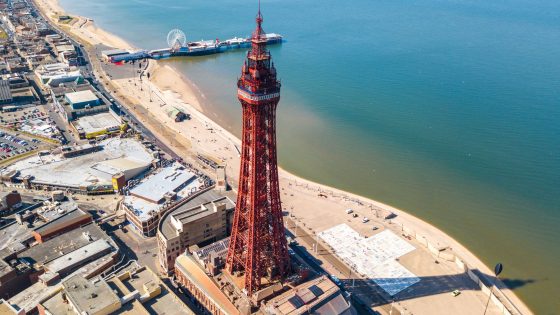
x=201 y=274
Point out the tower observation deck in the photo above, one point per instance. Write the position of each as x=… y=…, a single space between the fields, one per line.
x=258 y=248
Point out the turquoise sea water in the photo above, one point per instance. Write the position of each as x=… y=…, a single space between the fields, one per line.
x=447 y=109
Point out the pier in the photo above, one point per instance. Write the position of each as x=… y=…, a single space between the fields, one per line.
x=179 y=47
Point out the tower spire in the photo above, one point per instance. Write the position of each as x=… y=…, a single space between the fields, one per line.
x=259 y=31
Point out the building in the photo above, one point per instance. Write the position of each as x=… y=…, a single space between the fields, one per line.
x=52 y=75
x=108 y=54
x=194 y=279
x=9 y=201
x=87 y=169
x=14 y=277
x=317 y=296
x=25 y=270
x=82 y=99
x=5 y=93
x=146 y=202
x=201 y=272
x=150 y=293
x=77 y=100
x=61 y=224
x=65 y=265
x=19 y=90
x=258 y=90
x=7 y=309
x=206 y=218
x=66 y=53
x=90 y=297
x=92 y=126
x=4 y=67
x=135 y=291
x=177 y=114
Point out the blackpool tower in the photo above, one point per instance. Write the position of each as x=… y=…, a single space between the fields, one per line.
x=258 y=248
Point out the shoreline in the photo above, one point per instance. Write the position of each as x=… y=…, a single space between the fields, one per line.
x=174 y=89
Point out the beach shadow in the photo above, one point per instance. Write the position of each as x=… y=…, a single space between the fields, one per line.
x=371 y=291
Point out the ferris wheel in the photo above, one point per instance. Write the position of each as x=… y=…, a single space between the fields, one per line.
x=176 y=39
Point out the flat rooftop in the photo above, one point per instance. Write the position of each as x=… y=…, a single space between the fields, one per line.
x=38 y=292
x=85 y=253
x=115 y=166
x=57 y=306
x=113 y=52
x=81 y=97
x=89 y=297
x=80 y=171
x=180 y=218
x=165 y=303
x=65 y=243
x=142 y=199
x=51 y=211
x=168 y=179
x=62 y=221
x=53 y=67
x=6 y=308
x=316 y=296
x=12 y=237
x=97 y=122
x=216 y=249
x=165 y=225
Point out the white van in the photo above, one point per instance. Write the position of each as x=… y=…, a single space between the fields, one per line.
x=348 y=211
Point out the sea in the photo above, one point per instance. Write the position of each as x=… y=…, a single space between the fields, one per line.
x=447 y=109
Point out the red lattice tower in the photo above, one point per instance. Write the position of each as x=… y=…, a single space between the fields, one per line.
x=258 y=244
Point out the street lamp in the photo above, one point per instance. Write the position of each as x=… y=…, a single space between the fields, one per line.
x=140 y=67
x=149 y=86
x=350 y=266
x=497 y=270
x=133 y=69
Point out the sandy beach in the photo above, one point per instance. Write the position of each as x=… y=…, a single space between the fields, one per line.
x=317 y=207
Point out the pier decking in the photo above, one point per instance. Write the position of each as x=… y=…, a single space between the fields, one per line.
x=199 y=48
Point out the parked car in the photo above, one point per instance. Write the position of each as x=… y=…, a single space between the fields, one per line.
x=335 y=280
